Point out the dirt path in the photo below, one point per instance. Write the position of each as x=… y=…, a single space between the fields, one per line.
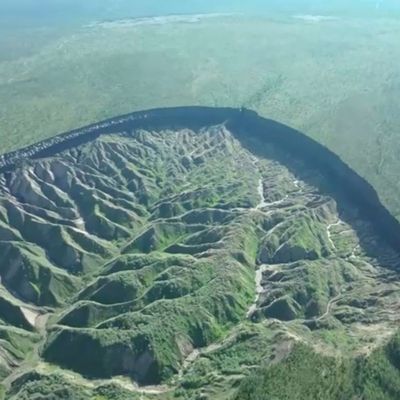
x=126 y=383
x=259 y=290
x=332 y=302
x=329 y=307
x=329 y=233
x=263 y=204
x=38 y=320
x=123 y=382
x=196 y=353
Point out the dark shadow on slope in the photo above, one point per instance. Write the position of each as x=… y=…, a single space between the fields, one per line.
x=339 y=181
x=352 y=194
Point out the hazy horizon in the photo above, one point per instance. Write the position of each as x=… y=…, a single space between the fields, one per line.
x=27 y=12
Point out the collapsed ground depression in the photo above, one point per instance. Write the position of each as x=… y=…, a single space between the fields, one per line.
x=156 y=245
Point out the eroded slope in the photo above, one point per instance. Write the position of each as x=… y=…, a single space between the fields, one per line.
x=183 y=258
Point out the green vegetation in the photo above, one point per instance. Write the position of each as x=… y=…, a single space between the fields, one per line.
x=210 y=266
x=55 y=386
x=141 y=262
x=307 y=375
x=336 y=80
x=180 y=259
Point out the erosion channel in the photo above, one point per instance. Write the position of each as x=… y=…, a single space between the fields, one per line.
x=155 y=248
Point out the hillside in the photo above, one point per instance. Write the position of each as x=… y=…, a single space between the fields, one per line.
x=186 y=254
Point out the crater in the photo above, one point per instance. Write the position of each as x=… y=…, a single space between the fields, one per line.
x=167 y=227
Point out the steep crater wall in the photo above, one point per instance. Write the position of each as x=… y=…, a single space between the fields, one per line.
x=240 y=122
